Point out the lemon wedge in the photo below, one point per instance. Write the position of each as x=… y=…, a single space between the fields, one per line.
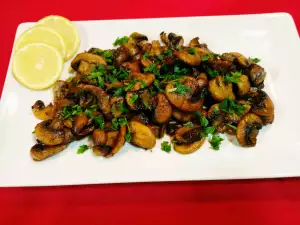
x=66 y=30
x=42 y=35
x=37 y=66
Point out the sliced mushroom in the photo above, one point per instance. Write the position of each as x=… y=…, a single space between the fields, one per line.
x=141 y=135
x=41 y=112
x=85 y=68
x=162 y=130
x=82 y=125
x=88 y=58
x=145 y=46
x=99 y=137
x=141 y=118
x=190 y=59
x=60 y=90
x=247 y=130
x=143 y=102
x=257 y=75
x=194 y=43
x=131 y=48
x=154 y=129
x=50 y=132
x=202 y=80
x=119 y=142
x=188 y=134
x=189 y=148
x=243 y=85
x=183 y=116
x=137 y=37
x=164 y=38
x=155 y=49
x=237 y=57
x=175 y=41
x=191 y=101
x=262 y=105
x=133 y=67
x=102 y=99
x=172 y=126
x=162 y=109
x=120 y=55
x=222 y=66
x=143 y=80
x=40 y=152
x=219 y=89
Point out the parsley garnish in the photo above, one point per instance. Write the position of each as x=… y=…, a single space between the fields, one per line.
x=119 y=91
x=192 y=51
x=130 y=85
x=167 y=52
x=128 y=136
x=114 y=124
x=69 y=111
x=230 y=106
x=82 y=149
x=255 y=60
x=152 y=69
x=232 y=127
x=208 y=130
x=166 y=146
x=70 y=79
x=134 y=98
x=143 y=84
x=120 y=41
x=146 y=55
x=205 y=58
x=212 y=73
x=156 y=84
x=180 y=88
x=234 y=77
x=99 y=121
x=188 y=124
x=215 y=142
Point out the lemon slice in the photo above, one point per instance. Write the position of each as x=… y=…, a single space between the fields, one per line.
x=37 y=65
x=66 y=30
x=43 y=35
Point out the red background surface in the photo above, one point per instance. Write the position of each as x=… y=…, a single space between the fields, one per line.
x=272 y=201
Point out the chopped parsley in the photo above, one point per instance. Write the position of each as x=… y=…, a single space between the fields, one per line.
x=166 y=146
x=167 y=52
x=143 y=84
x=134 y=98
x=128 y=136
x=114 y=124
x=212 y=73
x=180 y=88
x=215 y=142
x=255 y=60
x=191 y=51
x=230 y=106
x=130 y=85
x=208 y=130
x=70 y=111
x=232 y=127
x=82 y=149
x=99 y=122
x=120 y=41
x=188 y=124
x=156 y=84
x=205 y=58
x=118 y=91
x=146 y=55
x=233 y=77
x=152 y=69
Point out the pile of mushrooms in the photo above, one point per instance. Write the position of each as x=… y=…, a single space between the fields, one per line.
x=141 y=90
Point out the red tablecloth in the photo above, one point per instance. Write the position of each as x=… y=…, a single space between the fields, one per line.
x=274 y=201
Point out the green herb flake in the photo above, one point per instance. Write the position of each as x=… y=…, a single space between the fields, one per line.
x=69 y=79
x=167 y=52
x=230 y=106
x=215 y=142
x=143 y=84
x=121 y=41
x=232 y=127
x=192 y=51
x=205 y=58
x=114 y=124
x=99 y=121
x=212 y=73
x=146 y=55
x=233 y=77
x=255 y=60
x=152 y=69
x=188 y=124
x=180 y=88
x=134 y=98
x=88 y=113
x=166 y=146
x=82 y=149
x=128 y=136
x=118 y=91
x=208 y=130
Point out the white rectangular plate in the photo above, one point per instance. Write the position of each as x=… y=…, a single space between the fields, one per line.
x=271 y=37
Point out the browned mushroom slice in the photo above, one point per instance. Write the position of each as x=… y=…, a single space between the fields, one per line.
x=99 y=137
x=120 y=55
x=85 y=68
x=140 y=100
x=142 y=80
x=68 y=123
x=145 y=46
x=131 y=48
x=60 y=90
x=141 y=118
x=175 y=41
x=101 y=150
x=188 y=134
x=137 y=37
x=111 y=138
x=102 y=99
x=155 y=49
x=183 y=116
x=163 y=109
x=82 y=125
x=257 y=75
x=164 y=38
x=162 y=130
x=262 y=105
x=89 y=58
x=247 y=130
x=243 y=85
x=190 y=101
x=202 y=80
x=237 y=57
x=117 y=106
x=189 y=148
x=222 y=66
x=40 y=152
x=154 y=129
x=194 y=43
x=41 y=112
x=219 y=89
x=141 y=135
x=133 y=67
x=120 y=141
x=190 y=59
x=50 y=132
